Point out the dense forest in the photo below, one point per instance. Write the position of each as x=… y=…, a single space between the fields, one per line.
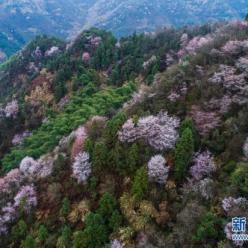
x=137 y=142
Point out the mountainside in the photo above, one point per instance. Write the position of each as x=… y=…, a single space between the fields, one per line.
x=21 y=20
x=141 y=142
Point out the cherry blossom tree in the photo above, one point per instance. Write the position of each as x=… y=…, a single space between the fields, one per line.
x=116 y=244
x=80 y=136
x=52 y=51
x=86 y=57
x=245 y=148
x=205 y=121
x=81 y=167
x=18 y=138
x=157 y=169
x=11 y=109
x=234 y=205
x=203 y=165
x=158 y=131
x=26 y=198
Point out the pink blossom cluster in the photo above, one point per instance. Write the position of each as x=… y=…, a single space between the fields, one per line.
x=116 y=244
x=239 y=24
x=10 y=184
x=137 y=97
x=8 y=214
x=95 y=41
x=18 y=138
x=86 y=57
x=228 y=231
x=245 y=148
x=157 y=169
x=32 y=68
x=191 y=46
x=52 y=51
x=37 y=53
x=36 y=169
x=11 y=109
x=235 y=47
x=158 y=131
x=235 y=84
x=26 y=198
x=175 y=94
x=204 y=121
x=221 y=105
x=203 y=165
x=149 y=62
x=81 y=168
x=242 y=64
x=80 y=136
x=204 y=187
x=230 y=203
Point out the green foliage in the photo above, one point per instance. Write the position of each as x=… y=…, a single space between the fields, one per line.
x=106 y=206
x=132 y=159
x=140 y=184
x=239 y=178
x=64 y=240
x=94 y=234
x=114 y=125
x=80 y=109
x=115 y=221
x=209 y=229
x=66 y=206
x=28 y=242
x=100 y=156
x=19 y=231
x=188 y=123
x=183 y=153
x=43 y=234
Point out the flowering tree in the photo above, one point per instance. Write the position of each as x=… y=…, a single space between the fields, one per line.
x=203 y=165
x=11 y=109
x=36 y=169
x=245 y=148
x=116 y=244
x=26 y=198
x=18 y=138
x=233 y=206
x=81 y=167
x=159 y=131
x=235 y=84
x=205 y=121
x=86 y=57
x=157 y=169
x=52 y=51
x=8 y=214
x=80 y=136
x=235 y=47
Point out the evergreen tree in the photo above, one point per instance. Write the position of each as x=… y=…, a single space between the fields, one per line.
x=132 y=158
x=43 y=234
x=183 y=153
x=94 y=235
x=28 y=242
x=140 y=184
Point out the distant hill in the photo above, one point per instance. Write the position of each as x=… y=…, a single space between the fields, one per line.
x=21 y=20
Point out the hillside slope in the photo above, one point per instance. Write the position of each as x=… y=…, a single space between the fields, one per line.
x=140 y=142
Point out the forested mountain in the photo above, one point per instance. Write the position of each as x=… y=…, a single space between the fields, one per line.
x=138 y=142
x=21 y=20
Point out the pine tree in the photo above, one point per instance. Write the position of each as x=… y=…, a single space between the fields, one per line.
x=140 y=184
x=183 y=153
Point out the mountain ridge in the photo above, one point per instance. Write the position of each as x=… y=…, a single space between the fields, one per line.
x=22 y=20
